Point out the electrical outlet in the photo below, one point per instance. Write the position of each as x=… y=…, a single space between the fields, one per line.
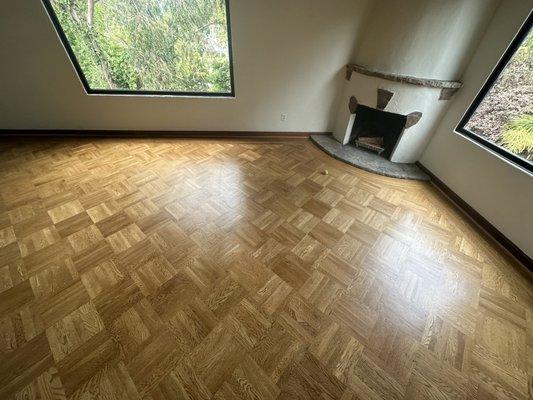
x=284 y=117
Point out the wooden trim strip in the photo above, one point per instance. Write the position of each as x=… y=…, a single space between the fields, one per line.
x=426 y=82
x=481 y=221
x=16 y=133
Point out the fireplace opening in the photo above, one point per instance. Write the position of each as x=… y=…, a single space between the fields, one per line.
x=377 y=130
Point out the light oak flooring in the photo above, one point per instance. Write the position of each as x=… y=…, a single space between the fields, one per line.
x=175 y=269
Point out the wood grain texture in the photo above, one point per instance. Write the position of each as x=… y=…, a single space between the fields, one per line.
x=481 y=221
x=230 y=269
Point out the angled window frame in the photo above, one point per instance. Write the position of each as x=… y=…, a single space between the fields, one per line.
x=149 y=93
x=484 y=91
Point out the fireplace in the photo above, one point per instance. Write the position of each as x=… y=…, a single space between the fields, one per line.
x=377 y=130
x=371 y=137
x=390 y=115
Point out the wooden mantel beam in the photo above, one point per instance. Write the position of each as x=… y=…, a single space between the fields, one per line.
x=426 y=82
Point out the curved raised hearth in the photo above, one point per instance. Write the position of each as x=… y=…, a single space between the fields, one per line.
x=366 y=160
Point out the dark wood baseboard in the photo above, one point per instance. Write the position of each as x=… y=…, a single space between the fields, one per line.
x=58 y=133
x=481 y=221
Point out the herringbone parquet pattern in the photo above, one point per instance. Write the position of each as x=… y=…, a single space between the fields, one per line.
x=168 y=269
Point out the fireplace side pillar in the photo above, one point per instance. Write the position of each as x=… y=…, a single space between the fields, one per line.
x=345 y=116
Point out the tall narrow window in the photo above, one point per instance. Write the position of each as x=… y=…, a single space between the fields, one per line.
x=501 y=116
x=172 y=47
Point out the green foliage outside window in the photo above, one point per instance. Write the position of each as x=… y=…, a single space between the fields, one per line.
x=151 y=45
x=518 y=136
x=505 y=116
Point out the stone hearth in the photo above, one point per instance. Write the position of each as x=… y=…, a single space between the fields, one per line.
x=367 y=160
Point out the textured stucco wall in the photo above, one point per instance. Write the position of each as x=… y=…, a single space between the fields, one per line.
x=423 y=38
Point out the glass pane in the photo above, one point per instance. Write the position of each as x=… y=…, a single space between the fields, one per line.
x=505 y=116
x=151 y=45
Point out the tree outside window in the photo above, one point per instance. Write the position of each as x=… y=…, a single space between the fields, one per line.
x=147 y=46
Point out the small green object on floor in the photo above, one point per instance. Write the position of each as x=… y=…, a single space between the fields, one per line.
x=326 y=172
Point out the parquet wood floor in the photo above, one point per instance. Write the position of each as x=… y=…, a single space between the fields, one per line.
x=174 y=269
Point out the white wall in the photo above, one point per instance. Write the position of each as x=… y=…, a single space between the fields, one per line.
x=289 y=58
x=500 y=192
x=423 y=38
